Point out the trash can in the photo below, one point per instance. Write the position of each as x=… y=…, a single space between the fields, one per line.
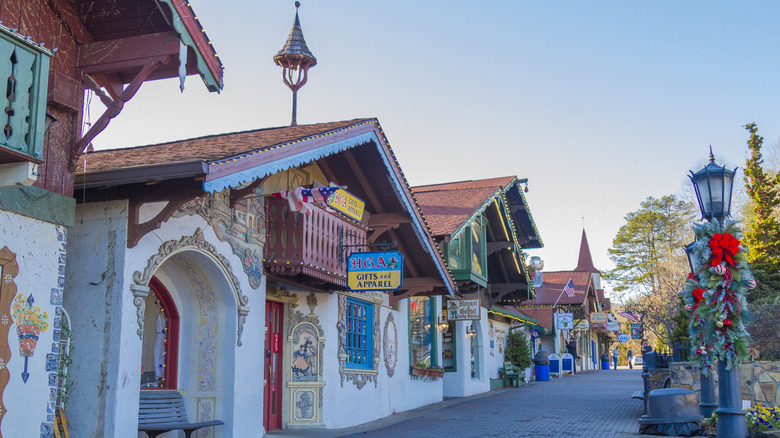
x=542 y=366
x=605 y=361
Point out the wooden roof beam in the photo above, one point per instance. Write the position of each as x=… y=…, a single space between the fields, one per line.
x=126 y=53
x=385 y=219
x=64 y=11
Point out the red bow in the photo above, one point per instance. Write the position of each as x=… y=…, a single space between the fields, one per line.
x=724 y=247
x=698 y=293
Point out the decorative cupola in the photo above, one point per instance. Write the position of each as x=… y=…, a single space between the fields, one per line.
x=295 y=59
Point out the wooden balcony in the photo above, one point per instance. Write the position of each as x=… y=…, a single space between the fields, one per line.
x=305 y=249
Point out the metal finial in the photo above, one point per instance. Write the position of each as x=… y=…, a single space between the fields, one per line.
x=297 y=5
x=712 y=157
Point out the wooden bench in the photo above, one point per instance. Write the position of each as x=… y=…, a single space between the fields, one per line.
x=163 y=411
x=512 y=373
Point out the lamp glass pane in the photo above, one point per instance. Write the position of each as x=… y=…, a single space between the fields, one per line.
x=728 y=182
x=704 y=194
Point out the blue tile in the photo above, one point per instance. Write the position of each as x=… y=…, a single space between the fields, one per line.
x=52 y=360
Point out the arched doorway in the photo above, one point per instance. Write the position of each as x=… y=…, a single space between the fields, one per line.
x=195 y=298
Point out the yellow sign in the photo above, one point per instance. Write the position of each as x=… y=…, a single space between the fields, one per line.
x=375 y=271
x=598 y=317
x=388 y=280
x=581 y=325
x=347 y=203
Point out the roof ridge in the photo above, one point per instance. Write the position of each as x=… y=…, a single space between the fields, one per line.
x=224 y=134
x=464 y=181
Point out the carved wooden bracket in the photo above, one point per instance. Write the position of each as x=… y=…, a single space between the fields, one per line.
x=237 y=194
x=406 y=293
x=176 y=197
x=115 y=106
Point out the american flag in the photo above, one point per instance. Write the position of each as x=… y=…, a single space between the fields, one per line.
x=569 y=289
x=630 y=316
x=300 y=198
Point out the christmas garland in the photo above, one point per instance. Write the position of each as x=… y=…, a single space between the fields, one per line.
x=715 y=296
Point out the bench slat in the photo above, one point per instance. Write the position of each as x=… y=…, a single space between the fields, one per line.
x=162 y=411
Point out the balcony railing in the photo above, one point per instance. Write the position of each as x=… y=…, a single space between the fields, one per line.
x=24 y=74
x=307 y=247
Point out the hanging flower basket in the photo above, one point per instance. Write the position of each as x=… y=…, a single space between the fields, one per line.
x=428 y=374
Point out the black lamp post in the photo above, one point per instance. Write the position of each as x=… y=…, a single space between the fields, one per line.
x=713 y=185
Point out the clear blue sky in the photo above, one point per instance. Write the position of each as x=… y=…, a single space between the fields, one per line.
x=600 y=104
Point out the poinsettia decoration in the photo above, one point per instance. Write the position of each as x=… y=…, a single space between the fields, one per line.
x=715 y=295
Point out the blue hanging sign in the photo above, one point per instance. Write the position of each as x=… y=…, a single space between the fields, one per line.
x=381 y=270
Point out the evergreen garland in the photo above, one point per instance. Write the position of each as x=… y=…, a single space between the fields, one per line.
x=715 y=296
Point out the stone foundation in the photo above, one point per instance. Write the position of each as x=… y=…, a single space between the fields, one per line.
x=760 y=380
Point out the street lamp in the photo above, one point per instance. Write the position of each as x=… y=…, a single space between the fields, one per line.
x=713 y=185
x=692 y=258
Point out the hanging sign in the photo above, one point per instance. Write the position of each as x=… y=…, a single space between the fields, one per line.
x=581 y=325
x=382 y=270
x=463 y=310
x=564 y=321
x=598 y=318
x=636 y=331
x=347 y=203
x=623 y=337
x=613 y=326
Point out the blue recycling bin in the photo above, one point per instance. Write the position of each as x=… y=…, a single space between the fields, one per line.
x=542 y=366
x=605 y=361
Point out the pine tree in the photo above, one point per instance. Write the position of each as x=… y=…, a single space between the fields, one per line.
x=763 y=233
x=517 y=350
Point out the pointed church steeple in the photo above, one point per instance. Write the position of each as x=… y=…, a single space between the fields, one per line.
x=585 y=261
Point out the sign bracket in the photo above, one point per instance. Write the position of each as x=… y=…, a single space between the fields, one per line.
x=381 y=245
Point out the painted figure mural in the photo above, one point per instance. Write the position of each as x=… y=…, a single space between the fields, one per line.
x=304 y=358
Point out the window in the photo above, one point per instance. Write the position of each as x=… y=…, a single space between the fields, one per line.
x=159 y=351
x=359 y=320
x=421 y=331
x=477 y=250
x=23 y=87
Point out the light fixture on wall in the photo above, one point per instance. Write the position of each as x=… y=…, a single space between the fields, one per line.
x=471 y=331
x=443 y=325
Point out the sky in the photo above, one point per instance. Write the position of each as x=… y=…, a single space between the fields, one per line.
x=600 y=104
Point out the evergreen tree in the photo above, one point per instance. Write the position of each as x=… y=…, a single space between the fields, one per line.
x=762 y=235
x=517 y=350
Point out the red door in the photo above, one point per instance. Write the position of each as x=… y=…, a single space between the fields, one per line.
x=272 y=392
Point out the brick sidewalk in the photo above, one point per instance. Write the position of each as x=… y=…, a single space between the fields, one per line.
x=593 y=404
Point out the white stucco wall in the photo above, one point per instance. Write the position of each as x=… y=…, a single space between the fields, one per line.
x=102 y=303
x=40 y=254
x=459 y=383
x=346 y=405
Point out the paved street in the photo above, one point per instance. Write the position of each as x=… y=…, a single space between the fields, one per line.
x=594 y=404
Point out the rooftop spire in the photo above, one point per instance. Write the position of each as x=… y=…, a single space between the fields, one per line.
x=585 y=261
x=295 y=58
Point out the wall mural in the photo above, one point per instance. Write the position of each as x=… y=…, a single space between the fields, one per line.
x=500 y=336
x=8 y=271
x=390 y=342
x=305 y=347
x=242 y=227
x=359 y=377
x=141 y=279
x=30 y=322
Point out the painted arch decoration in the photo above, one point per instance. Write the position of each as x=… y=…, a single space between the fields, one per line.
x=140 y=288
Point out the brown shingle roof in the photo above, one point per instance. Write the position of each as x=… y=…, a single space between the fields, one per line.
x=447 y=206
x=446 y=210
x=554 y=282
x=542 y=314
x=208 y=149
